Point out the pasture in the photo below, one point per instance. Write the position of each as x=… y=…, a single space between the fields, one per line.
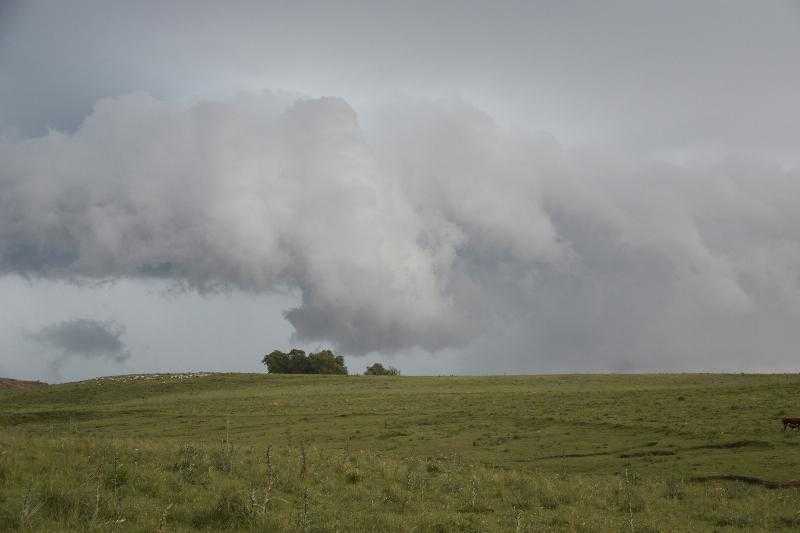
x=361 y=453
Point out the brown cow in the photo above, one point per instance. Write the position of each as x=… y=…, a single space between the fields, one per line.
x=791 y=422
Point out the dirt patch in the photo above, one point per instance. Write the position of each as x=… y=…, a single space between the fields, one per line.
x=730 y=445
x=575 y=455
x=19 y=384
x=648 y=453
x=750 y=480
x=634 y=452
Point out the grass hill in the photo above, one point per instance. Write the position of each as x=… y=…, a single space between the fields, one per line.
x=6 y=383
x=359 y=453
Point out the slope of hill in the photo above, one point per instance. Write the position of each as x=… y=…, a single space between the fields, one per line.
x=356 y=453
x=8 y=383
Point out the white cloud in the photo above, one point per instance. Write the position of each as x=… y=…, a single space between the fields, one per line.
x=434 y=229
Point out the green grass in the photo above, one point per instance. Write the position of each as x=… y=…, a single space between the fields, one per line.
x=336 y=453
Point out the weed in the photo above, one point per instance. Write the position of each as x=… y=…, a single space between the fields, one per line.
x=30 y=508
x=626 y=496
x=674 y=488
x=189 y=464
x=229 y=510
x=304 y=515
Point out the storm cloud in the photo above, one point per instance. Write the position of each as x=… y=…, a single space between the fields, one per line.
x=631 y=74
x=506 y=186
x=434 y=229
x=84 y=338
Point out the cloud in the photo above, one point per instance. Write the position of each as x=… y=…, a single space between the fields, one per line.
x=584 y=260
x=641 y=75
x=84 y=338
x=434 y=228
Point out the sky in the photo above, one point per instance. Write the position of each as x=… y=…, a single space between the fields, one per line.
x=463 y=188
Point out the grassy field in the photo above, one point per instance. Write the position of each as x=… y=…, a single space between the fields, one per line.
x=337 y=453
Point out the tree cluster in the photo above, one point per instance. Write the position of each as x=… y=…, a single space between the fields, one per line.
x=379 y=370
x=297 y=362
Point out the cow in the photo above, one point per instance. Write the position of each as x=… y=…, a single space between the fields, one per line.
x=791 y=422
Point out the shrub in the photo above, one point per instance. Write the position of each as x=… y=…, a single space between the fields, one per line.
x=379 y=370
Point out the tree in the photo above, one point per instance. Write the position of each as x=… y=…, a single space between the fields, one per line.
x=379 y=370
x=297 y=362
x=277 y=362
x=325 y=362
